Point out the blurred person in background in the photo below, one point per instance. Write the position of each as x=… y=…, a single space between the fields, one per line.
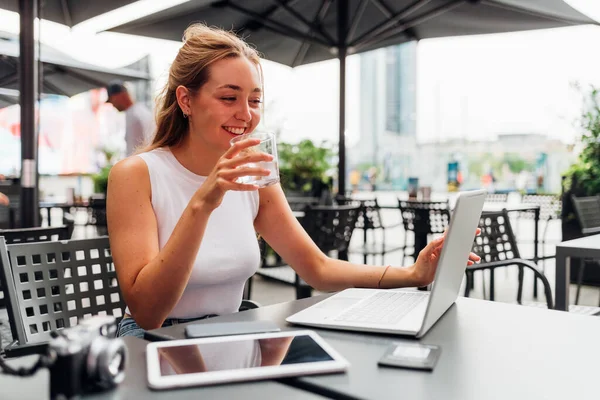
x=139 y=121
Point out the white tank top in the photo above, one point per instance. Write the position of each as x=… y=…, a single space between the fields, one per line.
x=229 y=252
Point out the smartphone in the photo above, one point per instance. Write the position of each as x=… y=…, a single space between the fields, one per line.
x=229 y=328
x=411 y=355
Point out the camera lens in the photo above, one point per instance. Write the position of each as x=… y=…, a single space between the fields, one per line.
x=106 y=362
x=116 y=364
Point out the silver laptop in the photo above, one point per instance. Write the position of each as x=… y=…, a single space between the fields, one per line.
x=405 y=312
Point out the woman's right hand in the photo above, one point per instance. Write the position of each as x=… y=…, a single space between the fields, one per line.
x=230 y=167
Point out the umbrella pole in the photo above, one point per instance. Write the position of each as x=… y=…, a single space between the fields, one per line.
x=28 y=84
x=342 y=14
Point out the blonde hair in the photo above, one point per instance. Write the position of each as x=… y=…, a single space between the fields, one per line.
x=202 y=46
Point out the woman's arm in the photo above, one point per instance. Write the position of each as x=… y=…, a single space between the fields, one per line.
x=151 y=281
x=278 y=226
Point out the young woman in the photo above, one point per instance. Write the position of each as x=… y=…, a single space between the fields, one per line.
x=182 y=230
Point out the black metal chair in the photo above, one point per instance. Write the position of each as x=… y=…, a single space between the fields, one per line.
x=496 y=197
x=497 y=247
x=44 y=234
x=550 y=210
x=53 y=285
x=422 y=218
x=299 y=203
x=587 y=211
x=369 y=220
x=330 y=227
x=97 y=214
x=28 y=235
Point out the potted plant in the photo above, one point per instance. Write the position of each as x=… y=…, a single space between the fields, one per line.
x=303 y=167
x=583 y=177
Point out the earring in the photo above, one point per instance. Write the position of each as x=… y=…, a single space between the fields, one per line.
x=184 y=114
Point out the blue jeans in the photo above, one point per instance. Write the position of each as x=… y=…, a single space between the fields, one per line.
x=128 y=326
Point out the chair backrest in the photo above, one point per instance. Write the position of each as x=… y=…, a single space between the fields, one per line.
x=424 y=216
x=369 y=216
x=53 y=285
x=496 y=242
x=331 y=227
x=299 y=203
x=587 y=210
x=97 y=210
x=496 y=197
x=550 y=205
x=27 y=235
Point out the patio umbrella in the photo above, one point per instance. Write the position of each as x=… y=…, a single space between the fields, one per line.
x=70 y=12
x=294 y=32
x=61 y=74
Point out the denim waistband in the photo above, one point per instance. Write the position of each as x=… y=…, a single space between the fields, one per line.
x=175 y=321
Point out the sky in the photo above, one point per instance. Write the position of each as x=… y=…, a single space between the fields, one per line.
x=475 y=87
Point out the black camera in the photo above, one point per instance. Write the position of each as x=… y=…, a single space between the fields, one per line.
x=86 y=358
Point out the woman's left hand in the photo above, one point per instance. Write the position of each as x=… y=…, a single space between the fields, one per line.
x=423 y=271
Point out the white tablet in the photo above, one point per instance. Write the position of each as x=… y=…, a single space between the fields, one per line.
x=207 y=361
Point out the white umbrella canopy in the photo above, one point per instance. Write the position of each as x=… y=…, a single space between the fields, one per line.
x=297 y=32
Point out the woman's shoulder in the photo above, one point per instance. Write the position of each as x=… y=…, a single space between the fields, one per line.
x=131 y=167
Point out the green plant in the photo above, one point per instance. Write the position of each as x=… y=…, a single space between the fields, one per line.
x=100 y=179
x=583 y=177
x=304 y=164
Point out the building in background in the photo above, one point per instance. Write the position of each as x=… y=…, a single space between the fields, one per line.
x=387 y=136
x=388 y=85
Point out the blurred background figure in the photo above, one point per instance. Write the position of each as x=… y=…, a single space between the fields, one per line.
x=139 y=121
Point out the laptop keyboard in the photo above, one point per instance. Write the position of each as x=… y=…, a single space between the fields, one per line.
x=382 y=308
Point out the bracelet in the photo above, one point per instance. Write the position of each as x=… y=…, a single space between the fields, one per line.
x=382 y=275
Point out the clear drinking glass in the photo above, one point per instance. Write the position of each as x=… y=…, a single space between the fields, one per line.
x=267 y=145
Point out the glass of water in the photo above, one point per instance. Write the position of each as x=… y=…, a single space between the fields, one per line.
x=267 y=145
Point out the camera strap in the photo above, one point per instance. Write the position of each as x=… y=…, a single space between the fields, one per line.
x=43 y=361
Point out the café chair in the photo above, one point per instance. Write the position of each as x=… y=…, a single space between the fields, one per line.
x=53 y=285
x=27 y=235
x=497 y=247
x=330 y=227
x=369 y=220
x=496 y=197
x=422 y=218
x=550 y=210
x=587 y=211
x=96 y=210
